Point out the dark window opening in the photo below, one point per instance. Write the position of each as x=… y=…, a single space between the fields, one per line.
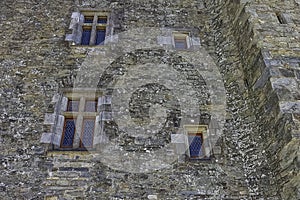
x=180 y=43
x=88 y=19
x=100 y=36
x=102 y=20
x=73 y=106
x=195 y=145
x=69 y=132
x=86 y=35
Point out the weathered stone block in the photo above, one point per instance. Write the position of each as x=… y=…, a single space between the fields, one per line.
x=46 y=138
x=178 y=138
x=49 y=118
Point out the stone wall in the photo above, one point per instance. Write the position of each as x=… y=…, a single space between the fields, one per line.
x=267 y=37
x=254 y=44
x=33 y=58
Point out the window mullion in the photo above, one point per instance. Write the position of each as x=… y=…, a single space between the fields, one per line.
x=79 y=122
x=93 y=33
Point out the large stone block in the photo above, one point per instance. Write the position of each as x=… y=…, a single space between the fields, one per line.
x=46 y=138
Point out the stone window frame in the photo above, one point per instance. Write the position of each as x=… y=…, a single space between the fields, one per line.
x=79 y=117
x=77 y=26
x=56 y=120
x=168 y=37
x=205 y=147
x=181 y=142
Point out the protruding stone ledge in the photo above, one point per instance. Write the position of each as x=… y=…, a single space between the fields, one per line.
x=49 y=119
x=290 y=107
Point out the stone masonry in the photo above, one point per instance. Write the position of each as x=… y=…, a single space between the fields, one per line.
x=241 y=71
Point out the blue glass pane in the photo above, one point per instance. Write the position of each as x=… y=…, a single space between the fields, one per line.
x=88 y=19
x=195 y=143
x=88 y=133
x=180 y=44
x=86 y=36
x=100 y=36
x=69 y=133
x=102 y=20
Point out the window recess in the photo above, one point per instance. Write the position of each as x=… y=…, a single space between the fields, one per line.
x=89 y=28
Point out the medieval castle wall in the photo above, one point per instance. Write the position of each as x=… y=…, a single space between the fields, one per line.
x=253 y=45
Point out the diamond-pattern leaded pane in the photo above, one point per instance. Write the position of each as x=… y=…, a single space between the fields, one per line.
x=73 y=106
x=195 y=142
x=69 y=132
x=90 y=106
x=87 y=133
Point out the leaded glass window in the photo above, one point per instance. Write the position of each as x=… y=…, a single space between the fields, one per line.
x=79 y=117
x=69 y=132
x=87 y=132
x=90 y=106
x=195 y=145
x=73 y=106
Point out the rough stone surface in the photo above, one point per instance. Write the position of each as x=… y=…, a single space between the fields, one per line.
x=256 y=47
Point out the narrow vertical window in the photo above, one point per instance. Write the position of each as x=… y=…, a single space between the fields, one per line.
x=68 y=134
x=86 y=35
x=181 y=40
x=87 y=133
x=195 y=145
x=100 y=36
